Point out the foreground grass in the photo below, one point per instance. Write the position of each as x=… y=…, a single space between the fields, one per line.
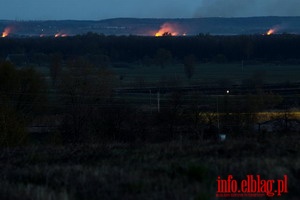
x=174 y=170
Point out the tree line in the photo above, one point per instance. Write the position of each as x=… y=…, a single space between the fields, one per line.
x=205 y=48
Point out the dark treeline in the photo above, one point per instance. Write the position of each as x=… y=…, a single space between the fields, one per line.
x=284 y=47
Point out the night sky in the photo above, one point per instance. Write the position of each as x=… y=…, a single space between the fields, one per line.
x=103 y=9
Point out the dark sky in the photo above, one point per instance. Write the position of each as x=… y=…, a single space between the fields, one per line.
x=102 y=9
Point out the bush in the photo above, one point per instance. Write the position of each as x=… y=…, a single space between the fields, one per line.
x=12 y=129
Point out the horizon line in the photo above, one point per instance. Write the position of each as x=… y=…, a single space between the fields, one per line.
x=153 y=18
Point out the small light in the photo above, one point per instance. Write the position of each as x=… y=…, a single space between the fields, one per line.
x=227 y=91
x=222 y=137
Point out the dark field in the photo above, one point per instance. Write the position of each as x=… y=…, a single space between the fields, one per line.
x=206 y=73
x=107 y=117
x=173 y=170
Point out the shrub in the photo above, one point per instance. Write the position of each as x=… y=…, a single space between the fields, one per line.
x=12 y=129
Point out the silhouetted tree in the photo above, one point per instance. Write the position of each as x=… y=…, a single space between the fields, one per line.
x=189 y=65
x=22 y=92
x=170 y=117
x=195 y=118
x=167 y=34
x=163 y=57
x=84 y=89
x=12 y=128
x=55 y=67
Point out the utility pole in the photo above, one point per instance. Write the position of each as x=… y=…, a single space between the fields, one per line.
x=158 y=101
x=150 y=99
x=218 y=118
x=242 y=65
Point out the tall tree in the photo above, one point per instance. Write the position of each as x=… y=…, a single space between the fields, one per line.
x=163 y=57
x=55 y=67
x=84 y=89
x=22 y=92
x=189 y=65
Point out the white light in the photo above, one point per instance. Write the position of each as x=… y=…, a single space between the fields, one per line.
x=227 y=91
x=222 y=137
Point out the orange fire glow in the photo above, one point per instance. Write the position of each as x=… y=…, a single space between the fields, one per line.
x=61 y=35
x=6 y=32
x=271 y=31
x=169 y=29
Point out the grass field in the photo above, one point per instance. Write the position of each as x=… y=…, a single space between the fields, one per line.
x=207 y=73
x=174 y=170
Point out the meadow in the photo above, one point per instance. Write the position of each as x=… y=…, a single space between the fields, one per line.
x=206 y=73
x=116 y=144
x=173 y=170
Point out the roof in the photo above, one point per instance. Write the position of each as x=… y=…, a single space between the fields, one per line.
x=280 y=119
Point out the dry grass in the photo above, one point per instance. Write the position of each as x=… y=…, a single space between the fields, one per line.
x=175 y=170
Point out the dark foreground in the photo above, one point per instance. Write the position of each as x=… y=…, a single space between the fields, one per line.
x=175 y=170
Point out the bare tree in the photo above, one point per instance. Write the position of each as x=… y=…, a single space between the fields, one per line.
x=84 y=89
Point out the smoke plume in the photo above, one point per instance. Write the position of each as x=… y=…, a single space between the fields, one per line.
x=244 y=8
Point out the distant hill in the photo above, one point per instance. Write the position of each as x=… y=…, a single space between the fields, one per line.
x=150 y=27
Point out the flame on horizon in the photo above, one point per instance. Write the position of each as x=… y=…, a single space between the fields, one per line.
x=61 y=35
x=6 y=32
x=169 y=29
x=271 y=31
